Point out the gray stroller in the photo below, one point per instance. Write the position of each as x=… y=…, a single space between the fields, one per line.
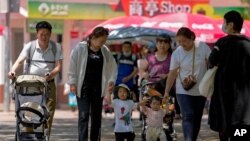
x=30 y=95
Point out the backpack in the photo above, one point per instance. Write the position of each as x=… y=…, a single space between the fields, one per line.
x=31 y=54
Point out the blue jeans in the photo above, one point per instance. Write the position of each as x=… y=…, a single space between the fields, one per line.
x=90 y=99
x=192 y=110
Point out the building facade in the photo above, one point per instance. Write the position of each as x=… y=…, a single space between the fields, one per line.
x=71 y=19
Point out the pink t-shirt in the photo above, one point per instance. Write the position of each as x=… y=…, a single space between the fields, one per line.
x=155 y=118
x=156 y=67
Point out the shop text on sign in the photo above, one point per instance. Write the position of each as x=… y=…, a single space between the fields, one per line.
x=154 y=7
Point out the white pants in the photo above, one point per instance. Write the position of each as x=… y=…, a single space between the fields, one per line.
x=153 y=133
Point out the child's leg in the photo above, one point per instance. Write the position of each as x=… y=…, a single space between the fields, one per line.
x=130 y=136
x=151 y=134
x=162 y=136
x=119 y=136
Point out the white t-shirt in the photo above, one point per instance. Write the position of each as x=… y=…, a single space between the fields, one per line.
x=41 y=68
x=184 y=61
x=123 y=110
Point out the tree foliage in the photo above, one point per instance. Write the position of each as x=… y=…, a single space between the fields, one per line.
x=247 y=1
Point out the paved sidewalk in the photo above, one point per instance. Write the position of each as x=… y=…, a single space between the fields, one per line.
x=65 y=127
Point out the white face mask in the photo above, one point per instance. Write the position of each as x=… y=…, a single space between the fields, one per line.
x=126 y=54
x=224 y=28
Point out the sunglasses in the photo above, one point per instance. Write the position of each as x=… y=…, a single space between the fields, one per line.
x=162 y=40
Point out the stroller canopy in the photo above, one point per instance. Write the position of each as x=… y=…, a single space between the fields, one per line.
x=30 y=81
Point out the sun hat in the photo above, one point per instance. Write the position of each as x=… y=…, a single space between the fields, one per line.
x=121 y=86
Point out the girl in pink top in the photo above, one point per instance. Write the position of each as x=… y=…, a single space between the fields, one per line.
x=155 y=117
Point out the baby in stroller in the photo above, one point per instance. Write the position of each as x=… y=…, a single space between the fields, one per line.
x=30 y=96
x=154 y=103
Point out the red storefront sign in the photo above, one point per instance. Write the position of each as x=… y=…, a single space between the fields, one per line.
x=155 y=7
x=1 y=30
x=74 y=34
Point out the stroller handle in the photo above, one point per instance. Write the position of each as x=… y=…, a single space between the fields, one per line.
x=145 y=82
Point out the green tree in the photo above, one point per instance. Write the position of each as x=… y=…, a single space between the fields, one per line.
x=247 y=11
x=247 y=1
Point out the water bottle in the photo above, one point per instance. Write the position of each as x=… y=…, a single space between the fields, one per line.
x=72 y=100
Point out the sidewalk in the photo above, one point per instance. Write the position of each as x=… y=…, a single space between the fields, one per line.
x=65 y=127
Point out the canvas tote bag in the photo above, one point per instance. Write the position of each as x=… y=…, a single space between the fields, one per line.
x=206 y=86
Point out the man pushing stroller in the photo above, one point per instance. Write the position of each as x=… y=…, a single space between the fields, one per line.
x=42 y=57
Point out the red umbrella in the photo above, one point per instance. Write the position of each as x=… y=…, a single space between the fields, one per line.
x=245 y=28
x=247 y=22
x=205 y=28
x=119 y=22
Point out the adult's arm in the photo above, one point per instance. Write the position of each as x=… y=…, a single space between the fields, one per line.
x=113 y=70
x=72 y=71
x=170 y=81
x=213 y=59
x=55 y=71
x=58 y=63
x=17 y=64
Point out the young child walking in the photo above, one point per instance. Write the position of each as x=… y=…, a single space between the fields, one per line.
x=123 y=107
x=154 y=119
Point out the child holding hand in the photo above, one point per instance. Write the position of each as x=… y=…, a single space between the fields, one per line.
x=154 y=119
x=123 y=107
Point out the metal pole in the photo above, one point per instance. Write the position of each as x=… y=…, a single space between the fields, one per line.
x=7 y=63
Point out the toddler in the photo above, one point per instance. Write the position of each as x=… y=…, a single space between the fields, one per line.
x=154 y=119
x=123 y=108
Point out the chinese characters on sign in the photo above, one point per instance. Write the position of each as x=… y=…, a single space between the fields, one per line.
x=151 y=7
x=59 y=9
x=155 y=7
x=135 y=8
x=53 y=9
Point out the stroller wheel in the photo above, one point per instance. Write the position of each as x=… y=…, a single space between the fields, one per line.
x=46 y=134
x=47 y=138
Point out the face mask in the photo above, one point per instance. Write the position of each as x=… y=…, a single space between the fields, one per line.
x=126 y=54
x=224 y=28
